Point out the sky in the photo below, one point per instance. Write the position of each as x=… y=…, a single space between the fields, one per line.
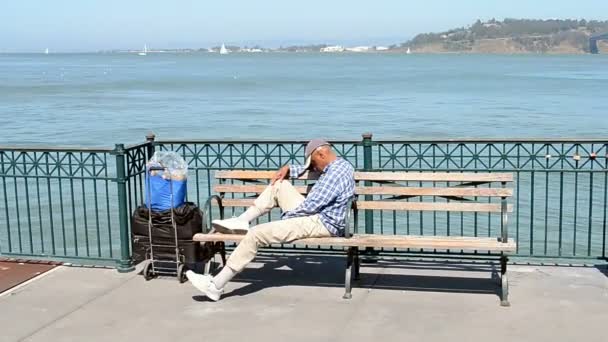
x=87 y=25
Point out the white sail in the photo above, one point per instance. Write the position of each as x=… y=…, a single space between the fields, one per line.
x=223 y=50
x=145 y=52
x=409 y=51
x=46 y=51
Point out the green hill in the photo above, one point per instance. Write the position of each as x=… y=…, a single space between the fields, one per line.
x=513 y=36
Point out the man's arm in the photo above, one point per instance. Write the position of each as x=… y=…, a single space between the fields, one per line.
x=325 y=191
x=293 y=171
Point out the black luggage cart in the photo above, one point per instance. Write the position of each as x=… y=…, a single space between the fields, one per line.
x=153 y=265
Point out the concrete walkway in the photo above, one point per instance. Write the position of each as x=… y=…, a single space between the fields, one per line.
x=299 y=299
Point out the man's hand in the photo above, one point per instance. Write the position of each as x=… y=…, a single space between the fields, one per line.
x=281 y=174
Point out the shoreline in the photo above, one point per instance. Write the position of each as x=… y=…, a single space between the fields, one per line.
x=349 y=53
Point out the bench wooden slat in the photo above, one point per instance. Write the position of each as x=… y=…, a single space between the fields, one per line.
x=237 y=202
x=382 y=176
x=395 y=205
x=237 y=188
x=385 y=190
x=435 y=191
x=251 y=174
x=434 y=177
x=431 y=206
x=389 y=241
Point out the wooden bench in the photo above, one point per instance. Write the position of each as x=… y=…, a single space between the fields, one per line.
x=462 y=195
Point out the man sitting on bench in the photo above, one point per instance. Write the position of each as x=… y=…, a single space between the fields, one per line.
x=321 y=214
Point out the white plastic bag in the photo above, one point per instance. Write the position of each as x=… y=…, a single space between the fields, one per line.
x=175 y=166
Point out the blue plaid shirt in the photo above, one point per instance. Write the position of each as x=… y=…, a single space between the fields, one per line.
x=329 y=196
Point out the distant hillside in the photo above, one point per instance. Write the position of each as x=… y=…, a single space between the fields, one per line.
x=513 y=36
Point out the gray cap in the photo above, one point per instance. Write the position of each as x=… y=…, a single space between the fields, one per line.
x=311 y=147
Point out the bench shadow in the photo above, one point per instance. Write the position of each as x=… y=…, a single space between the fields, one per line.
x=603 y=269
x=328 y=271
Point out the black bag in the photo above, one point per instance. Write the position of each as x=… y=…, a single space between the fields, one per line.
x=191 y=250
x=188 y=219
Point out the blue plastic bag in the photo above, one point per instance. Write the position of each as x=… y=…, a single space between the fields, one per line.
x=158 y=192
x=165 y=171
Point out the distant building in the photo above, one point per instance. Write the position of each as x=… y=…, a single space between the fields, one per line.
x=335 y=48
x=358 y=49
x=250 y=50
x=491 y=25
x=381 y=48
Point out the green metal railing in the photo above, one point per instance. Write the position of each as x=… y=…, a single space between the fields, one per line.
x=65 y=204
x=560 y=189
x=73 y=204
x=560 y=185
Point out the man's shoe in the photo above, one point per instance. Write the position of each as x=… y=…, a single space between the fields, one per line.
x=233 y=225
x=205 y=284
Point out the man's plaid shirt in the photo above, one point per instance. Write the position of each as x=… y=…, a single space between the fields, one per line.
x=329 y=196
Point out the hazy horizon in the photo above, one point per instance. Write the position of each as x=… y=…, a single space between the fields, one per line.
x=88 y=26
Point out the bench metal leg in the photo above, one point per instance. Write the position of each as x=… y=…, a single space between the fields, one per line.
x=222 y=246
x=207 y=269
x=496 y=276
x=212 y=248
x=347 y=274
x=504 y=296
x=216 y=247
x=357 y=275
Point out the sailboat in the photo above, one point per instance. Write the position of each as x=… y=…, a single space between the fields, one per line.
x=46 y=51
x=223 y=50
x=408 y=51
x=145 y=52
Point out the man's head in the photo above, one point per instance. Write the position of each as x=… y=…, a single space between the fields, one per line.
x=318 y=154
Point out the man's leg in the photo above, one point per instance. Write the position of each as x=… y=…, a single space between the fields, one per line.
x=264 y=234
x=282 y=194
x=283 y=231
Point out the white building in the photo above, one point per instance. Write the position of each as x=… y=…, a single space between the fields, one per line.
x=381 y=48
x=335 y=48
x=358 y=49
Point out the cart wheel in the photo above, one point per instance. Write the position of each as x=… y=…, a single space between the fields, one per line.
x=147 y=272
x=181 y=273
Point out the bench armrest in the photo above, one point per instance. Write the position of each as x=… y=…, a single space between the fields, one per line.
x=207 y=208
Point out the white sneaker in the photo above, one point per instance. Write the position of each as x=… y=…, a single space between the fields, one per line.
x=205 y=284
x=233 y=225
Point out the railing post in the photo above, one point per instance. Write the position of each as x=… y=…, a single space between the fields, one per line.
x=125 y=264
x=368 y=166
x=504 y=232
x=369 y=215
x=150 y=141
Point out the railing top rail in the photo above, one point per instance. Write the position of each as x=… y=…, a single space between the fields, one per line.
x=498 y=140
x=250 y=141
x=135 y=146
x=413 y=140
x=97 y=149
x=17 y=148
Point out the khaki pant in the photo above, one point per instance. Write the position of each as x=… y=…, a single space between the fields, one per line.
x=284 y=195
